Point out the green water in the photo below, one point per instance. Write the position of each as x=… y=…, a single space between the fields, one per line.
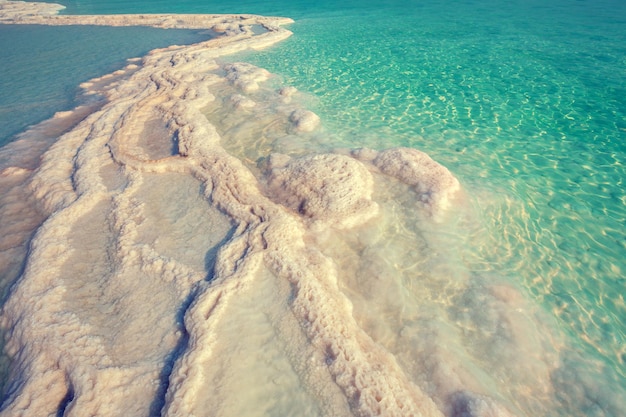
x=525 y=102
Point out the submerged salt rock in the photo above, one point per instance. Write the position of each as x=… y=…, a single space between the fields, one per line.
x=245 y=76
x=467 y=404
x=304 y=120
x=241 y=102
x=288 y=91
x=277 y=160
x=330 y=188
x=364 y=154
x=434 y=184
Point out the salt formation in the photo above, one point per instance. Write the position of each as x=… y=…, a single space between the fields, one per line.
x=155 y=238
x=245 y=76
x=433 y=183
x=241 y=102
x=466 y=405
x=333 y=189
x=304 y=120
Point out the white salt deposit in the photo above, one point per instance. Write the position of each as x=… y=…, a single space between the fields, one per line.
x=304 y=120
x=167 y=276
x=333 y=189
x=434 y=184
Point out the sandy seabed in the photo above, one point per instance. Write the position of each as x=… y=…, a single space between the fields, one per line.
x=179 y=247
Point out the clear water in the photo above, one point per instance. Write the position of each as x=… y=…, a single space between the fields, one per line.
x=524 y=101
x=41 y=66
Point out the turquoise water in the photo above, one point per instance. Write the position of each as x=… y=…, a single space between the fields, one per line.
x=527 y=105
x=525 y=102
x=41 y=66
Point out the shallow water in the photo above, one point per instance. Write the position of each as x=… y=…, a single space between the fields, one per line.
x=526 y=106
x=34 y=62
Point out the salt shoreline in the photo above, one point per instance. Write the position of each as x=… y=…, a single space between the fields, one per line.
x=31 y=13
x=93 y=192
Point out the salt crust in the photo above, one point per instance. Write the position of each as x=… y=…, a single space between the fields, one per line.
x=304 y=120
x=433 y=183
x=62 y=365
x=331 y=189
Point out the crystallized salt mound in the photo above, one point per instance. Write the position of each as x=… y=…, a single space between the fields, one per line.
x=434 y=184
x=240 y=102
x=329 y=188
x=288 y=91
x=304 y=120
x=245 y=76
x=466 y=404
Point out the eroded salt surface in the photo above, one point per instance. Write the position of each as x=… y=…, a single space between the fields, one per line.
x=167 y=276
